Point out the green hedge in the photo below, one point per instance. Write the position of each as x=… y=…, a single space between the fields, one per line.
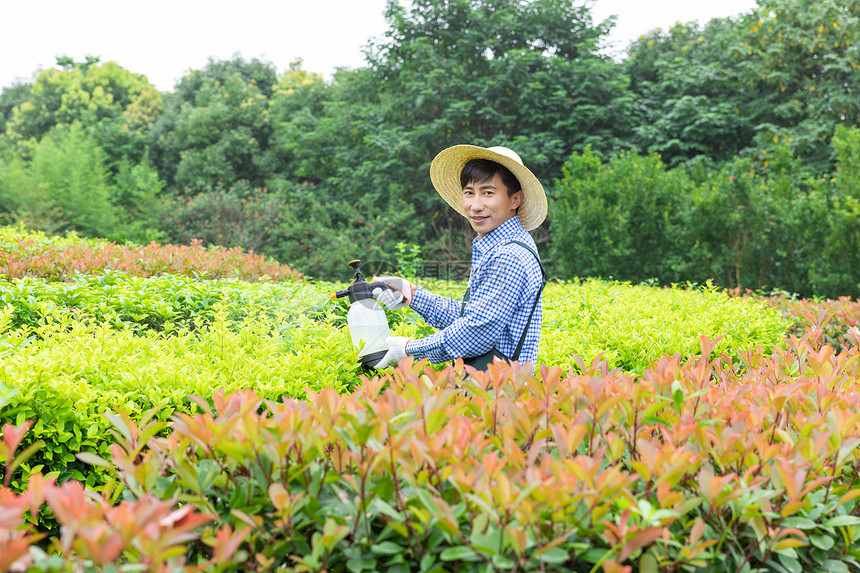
x=631 y=326
x=164 y=302
x=72 y=352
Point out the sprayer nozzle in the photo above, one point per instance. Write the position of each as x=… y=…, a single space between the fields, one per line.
x=340 y=293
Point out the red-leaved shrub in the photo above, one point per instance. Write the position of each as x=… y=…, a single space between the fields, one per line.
x=25 y=256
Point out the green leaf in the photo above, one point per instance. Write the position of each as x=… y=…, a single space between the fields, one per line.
x=791 y=565
x=841 y=521
x=834 y=566
x=361 y=564
x=799 y=523
x=459 y=553
x=553 y=556
x=822 y=541
x=93 y=460
x=387 y=548
x=207 y=471
x=648 y=563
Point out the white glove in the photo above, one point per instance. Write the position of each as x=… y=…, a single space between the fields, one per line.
x=396 y=351
x=393 y=299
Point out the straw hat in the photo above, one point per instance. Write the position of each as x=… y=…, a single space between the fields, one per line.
x=445 y=175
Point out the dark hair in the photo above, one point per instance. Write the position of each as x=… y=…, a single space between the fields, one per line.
x=480 y=170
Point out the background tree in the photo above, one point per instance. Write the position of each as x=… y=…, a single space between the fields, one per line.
x=523 y=74
x=76 y=148
x=688 y=95
x=738 y=123
x=215 y=127
x=786 y=73
x=10 y=98
x=618 y=219
x=72 y=179
x=341 y=196
x=799 y=62
x=93 y=94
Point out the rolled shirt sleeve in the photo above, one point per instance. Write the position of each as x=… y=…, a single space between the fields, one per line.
x=436 y=310
x=501 y=283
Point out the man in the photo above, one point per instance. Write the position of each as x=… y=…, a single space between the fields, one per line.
x=501 y=314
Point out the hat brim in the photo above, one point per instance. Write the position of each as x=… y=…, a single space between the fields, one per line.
x=448 y=164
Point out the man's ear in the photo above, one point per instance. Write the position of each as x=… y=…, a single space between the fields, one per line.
x=518 y=199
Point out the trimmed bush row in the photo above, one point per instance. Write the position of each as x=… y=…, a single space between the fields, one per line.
x=72 y=352
x=711 y=464
x=26 y=253
x=165 y=302
x=834 y=317
x=66 y=375
x=633 y=325
x=630 y=326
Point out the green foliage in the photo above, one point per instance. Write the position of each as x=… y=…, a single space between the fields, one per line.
x=691 y=100
x=760 y=223
x=10 y=98
x=749 y=225
x=315 y=171
x=229 y=217
x=321 y=235
x=19 y=197
x=68 y=185
x=799 y=65
x=837 y=202
x=165 y=303
x=785 y=72
x=296 y=223
x=409 y=259
x=438 y=78
x=86 y=93
x=215 y=128
x=630 y=326
x=135 y=191
x=617 y=219
x=71 y=178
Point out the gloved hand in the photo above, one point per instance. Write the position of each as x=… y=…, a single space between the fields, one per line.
x=393 y=299
x=396 y=351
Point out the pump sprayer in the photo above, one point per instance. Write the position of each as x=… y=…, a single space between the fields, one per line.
x=366 y=318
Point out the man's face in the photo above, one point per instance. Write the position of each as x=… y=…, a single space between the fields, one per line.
x=487 y=204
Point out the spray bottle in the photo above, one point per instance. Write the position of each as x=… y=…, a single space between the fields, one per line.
x=366 y=318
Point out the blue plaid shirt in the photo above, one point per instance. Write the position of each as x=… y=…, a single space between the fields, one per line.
x=504 y=281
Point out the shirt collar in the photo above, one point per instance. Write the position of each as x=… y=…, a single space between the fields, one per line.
x=508 y=230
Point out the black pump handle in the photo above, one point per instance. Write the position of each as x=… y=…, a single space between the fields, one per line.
x=378 y=284
x=355 y=263
x=364 y=290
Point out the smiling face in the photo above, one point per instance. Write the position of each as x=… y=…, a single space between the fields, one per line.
x=487 y=204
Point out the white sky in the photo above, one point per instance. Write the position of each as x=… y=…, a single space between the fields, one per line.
x=162 y=39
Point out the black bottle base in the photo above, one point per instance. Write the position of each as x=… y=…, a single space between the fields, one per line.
x=372 y=359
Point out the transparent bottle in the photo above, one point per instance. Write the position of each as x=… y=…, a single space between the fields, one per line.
x=368 y=328
x=368 y=325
